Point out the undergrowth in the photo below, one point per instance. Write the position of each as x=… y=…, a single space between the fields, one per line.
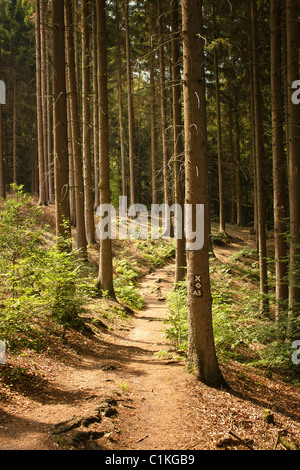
x=241 y=332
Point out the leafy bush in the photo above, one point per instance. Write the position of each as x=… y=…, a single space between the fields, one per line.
x=37 y=282
x=177 y=331
x=124 y=283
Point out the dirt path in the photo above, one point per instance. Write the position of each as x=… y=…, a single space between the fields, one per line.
x=146 y=401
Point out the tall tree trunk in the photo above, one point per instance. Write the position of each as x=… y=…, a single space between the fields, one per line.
x=279 y=181
x=253 y=130
x=81 y=242
x=14 y=80
x=154 y=191
x=49 y=105
x=61 y=161
x=86 y=133
x=259 y=148
x=238 y=163
x=201 y=349
x=44 y=97
x=120 y=102
x=131 y=129
x=2 y=167
x=166 y=176
x=219 y=130
x=41 y=160
x=180 y=268
x=292 y=28
x=105 y=278
x=95 y=109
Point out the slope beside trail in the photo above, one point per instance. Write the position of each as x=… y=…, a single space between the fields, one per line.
x=144 y=399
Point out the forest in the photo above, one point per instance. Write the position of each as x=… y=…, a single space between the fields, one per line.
x=149 y=225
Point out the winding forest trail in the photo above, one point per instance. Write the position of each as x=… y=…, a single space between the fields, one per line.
x=146 y=400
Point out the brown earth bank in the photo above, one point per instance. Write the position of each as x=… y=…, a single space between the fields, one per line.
x=124 y=388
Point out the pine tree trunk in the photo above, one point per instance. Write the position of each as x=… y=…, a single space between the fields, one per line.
x=180 y=267
x=2 y=167
x=60 y=131
x=81 y=242
x=95 y=110
x=166 y=176
x=86 y=133
x=41 y=158
x=201 y=349
x=154 y=190
x=259 y=149
x=219 y=130
x=292 y=28
x=14 y=80
x=43 y=95
x=120 y=102
x=279 y=170
x=131 y=130
x=105 y=279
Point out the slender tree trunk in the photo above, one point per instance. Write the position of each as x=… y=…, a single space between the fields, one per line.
x=201 y=349
x=61 y=166
x=259 y=148
x=49 y=105
x=219 y=130
x=279 y=180
x=292 y=28
x=153 y=111
x=166 y=172
x=41 y=160
x=81 y=242
x=95 y=110
x=14 y=79
x=120 y=101
x=2 y=166
x=86 y=133
x=105 y=278
x=180 y=268
x=253 y=130
x=238 y=163
x=44 y=97
x=71 y=161
x=130 y=110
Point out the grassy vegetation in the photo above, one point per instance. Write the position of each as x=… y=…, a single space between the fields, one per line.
x=241 y=332
x=44 y=292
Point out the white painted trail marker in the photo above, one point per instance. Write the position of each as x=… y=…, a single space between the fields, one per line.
x=2 y=92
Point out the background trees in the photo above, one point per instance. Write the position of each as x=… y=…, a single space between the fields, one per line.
x=100 y=127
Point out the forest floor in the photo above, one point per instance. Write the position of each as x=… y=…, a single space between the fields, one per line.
x=124 y=388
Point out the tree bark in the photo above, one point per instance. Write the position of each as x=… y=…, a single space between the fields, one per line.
x=2 y=166
x=178 y=146
x=201 y=349
x=219 y=130
x=166 y=172
x=95 y=110
x=131 y=129
x=86 y=126
x=61 y=162
x=81 y=242
x=259 y=149
x=41 y=158
x=154 y=190
x=105 y=278
x=120 y=102
x=292 y=28
x=279 y=170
